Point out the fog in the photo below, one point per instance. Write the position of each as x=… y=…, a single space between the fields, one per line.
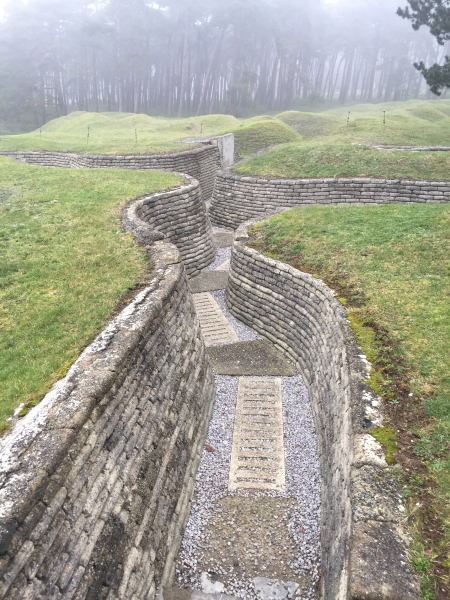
x=184 y=57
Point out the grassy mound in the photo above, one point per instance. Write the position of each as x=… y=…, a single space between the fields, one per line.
x=389 y=266
x=308 y=124
x=373 y=109
x=64 y=264
x=395 y=123
x=406 y=123
x=427 y=113
x=118 y=133
x=345 y=160
x=260 y=118
x=256 y=136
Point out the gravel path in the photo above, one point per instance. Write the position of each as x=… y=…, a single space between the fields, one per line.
x=223 y=254
x=236 y=537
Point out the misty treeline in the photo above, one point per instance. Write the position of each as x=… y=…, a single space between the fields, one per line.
x=181 y=57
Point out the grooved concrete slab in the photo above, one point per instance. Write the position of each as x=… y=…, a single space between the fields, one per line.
x=258 y=357
x=215 y=327
x=223 y=240
x=209 y=281
x=257 y=455
x=225 y=266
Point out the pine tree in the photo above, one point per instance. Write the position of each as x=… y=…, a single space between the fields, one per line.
x=435 y=14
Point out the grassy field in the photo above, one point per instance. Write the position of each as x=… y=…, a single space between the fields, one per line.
x=390 y=267
x=406 y=123
x=328 y=148
x=64 y=265
x=322 y=159
x=124 y=133
x=115 y=133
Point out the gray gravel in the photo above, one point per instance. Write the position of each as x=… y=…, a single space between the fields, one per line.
x=302 y=484
x=223 y=254
x=221 y=230
x=303 y=481
x=244 y=333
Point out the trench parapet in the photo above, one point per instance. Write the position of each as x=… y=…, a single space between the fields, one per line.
x=180 y=216
x=96 y=480
x=238 y=199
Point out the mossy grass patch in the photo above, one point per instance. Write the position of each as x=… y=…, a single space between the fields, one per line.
x=388 y=439
x=389 y=267
x=64 y=265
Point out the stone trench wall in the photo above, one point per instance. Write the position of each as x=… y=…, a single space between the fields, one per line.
x=96 y=481
x=238 y=199
x=200 y=163
x=180 y=216
x=364 y=547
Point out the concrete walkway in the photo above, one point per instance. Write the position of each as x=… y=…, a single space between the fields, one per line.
x=254 y=528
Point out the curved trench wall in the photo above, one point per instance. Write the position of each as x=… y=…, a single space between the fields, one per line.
x=200 y=163
x=180 y=216
x=364 y=549
x=96 y=481
x=238 y=199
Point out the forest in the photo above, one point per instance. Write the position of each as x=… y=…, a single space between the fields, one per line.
x=191 y=57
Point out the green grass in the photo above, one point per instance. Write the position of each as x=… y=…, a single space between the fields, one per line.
x=325 y=160
x=309 y=124
x=394 y=263
x=415 y=122
x=114 y=133
x=251 y=138
x=64 y=264
x=400 y=256
x=412 y=122
x=328 y=149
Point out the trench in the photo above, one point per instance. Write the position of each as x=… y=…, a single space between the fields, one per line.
x=123 y=442
x=254 y=525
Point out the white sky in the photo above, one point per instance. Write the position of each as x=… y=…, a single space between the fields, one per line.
x=3 y=3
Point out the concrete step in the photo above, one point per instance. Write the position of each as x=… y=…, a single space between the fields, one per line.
x=258 y=357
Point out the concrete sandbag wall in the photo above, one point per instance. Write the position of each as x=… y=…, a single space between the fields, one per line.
x=238 y=199
x=200 y=163
x=96 y=481
x=180 y=216
x=364 y=547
